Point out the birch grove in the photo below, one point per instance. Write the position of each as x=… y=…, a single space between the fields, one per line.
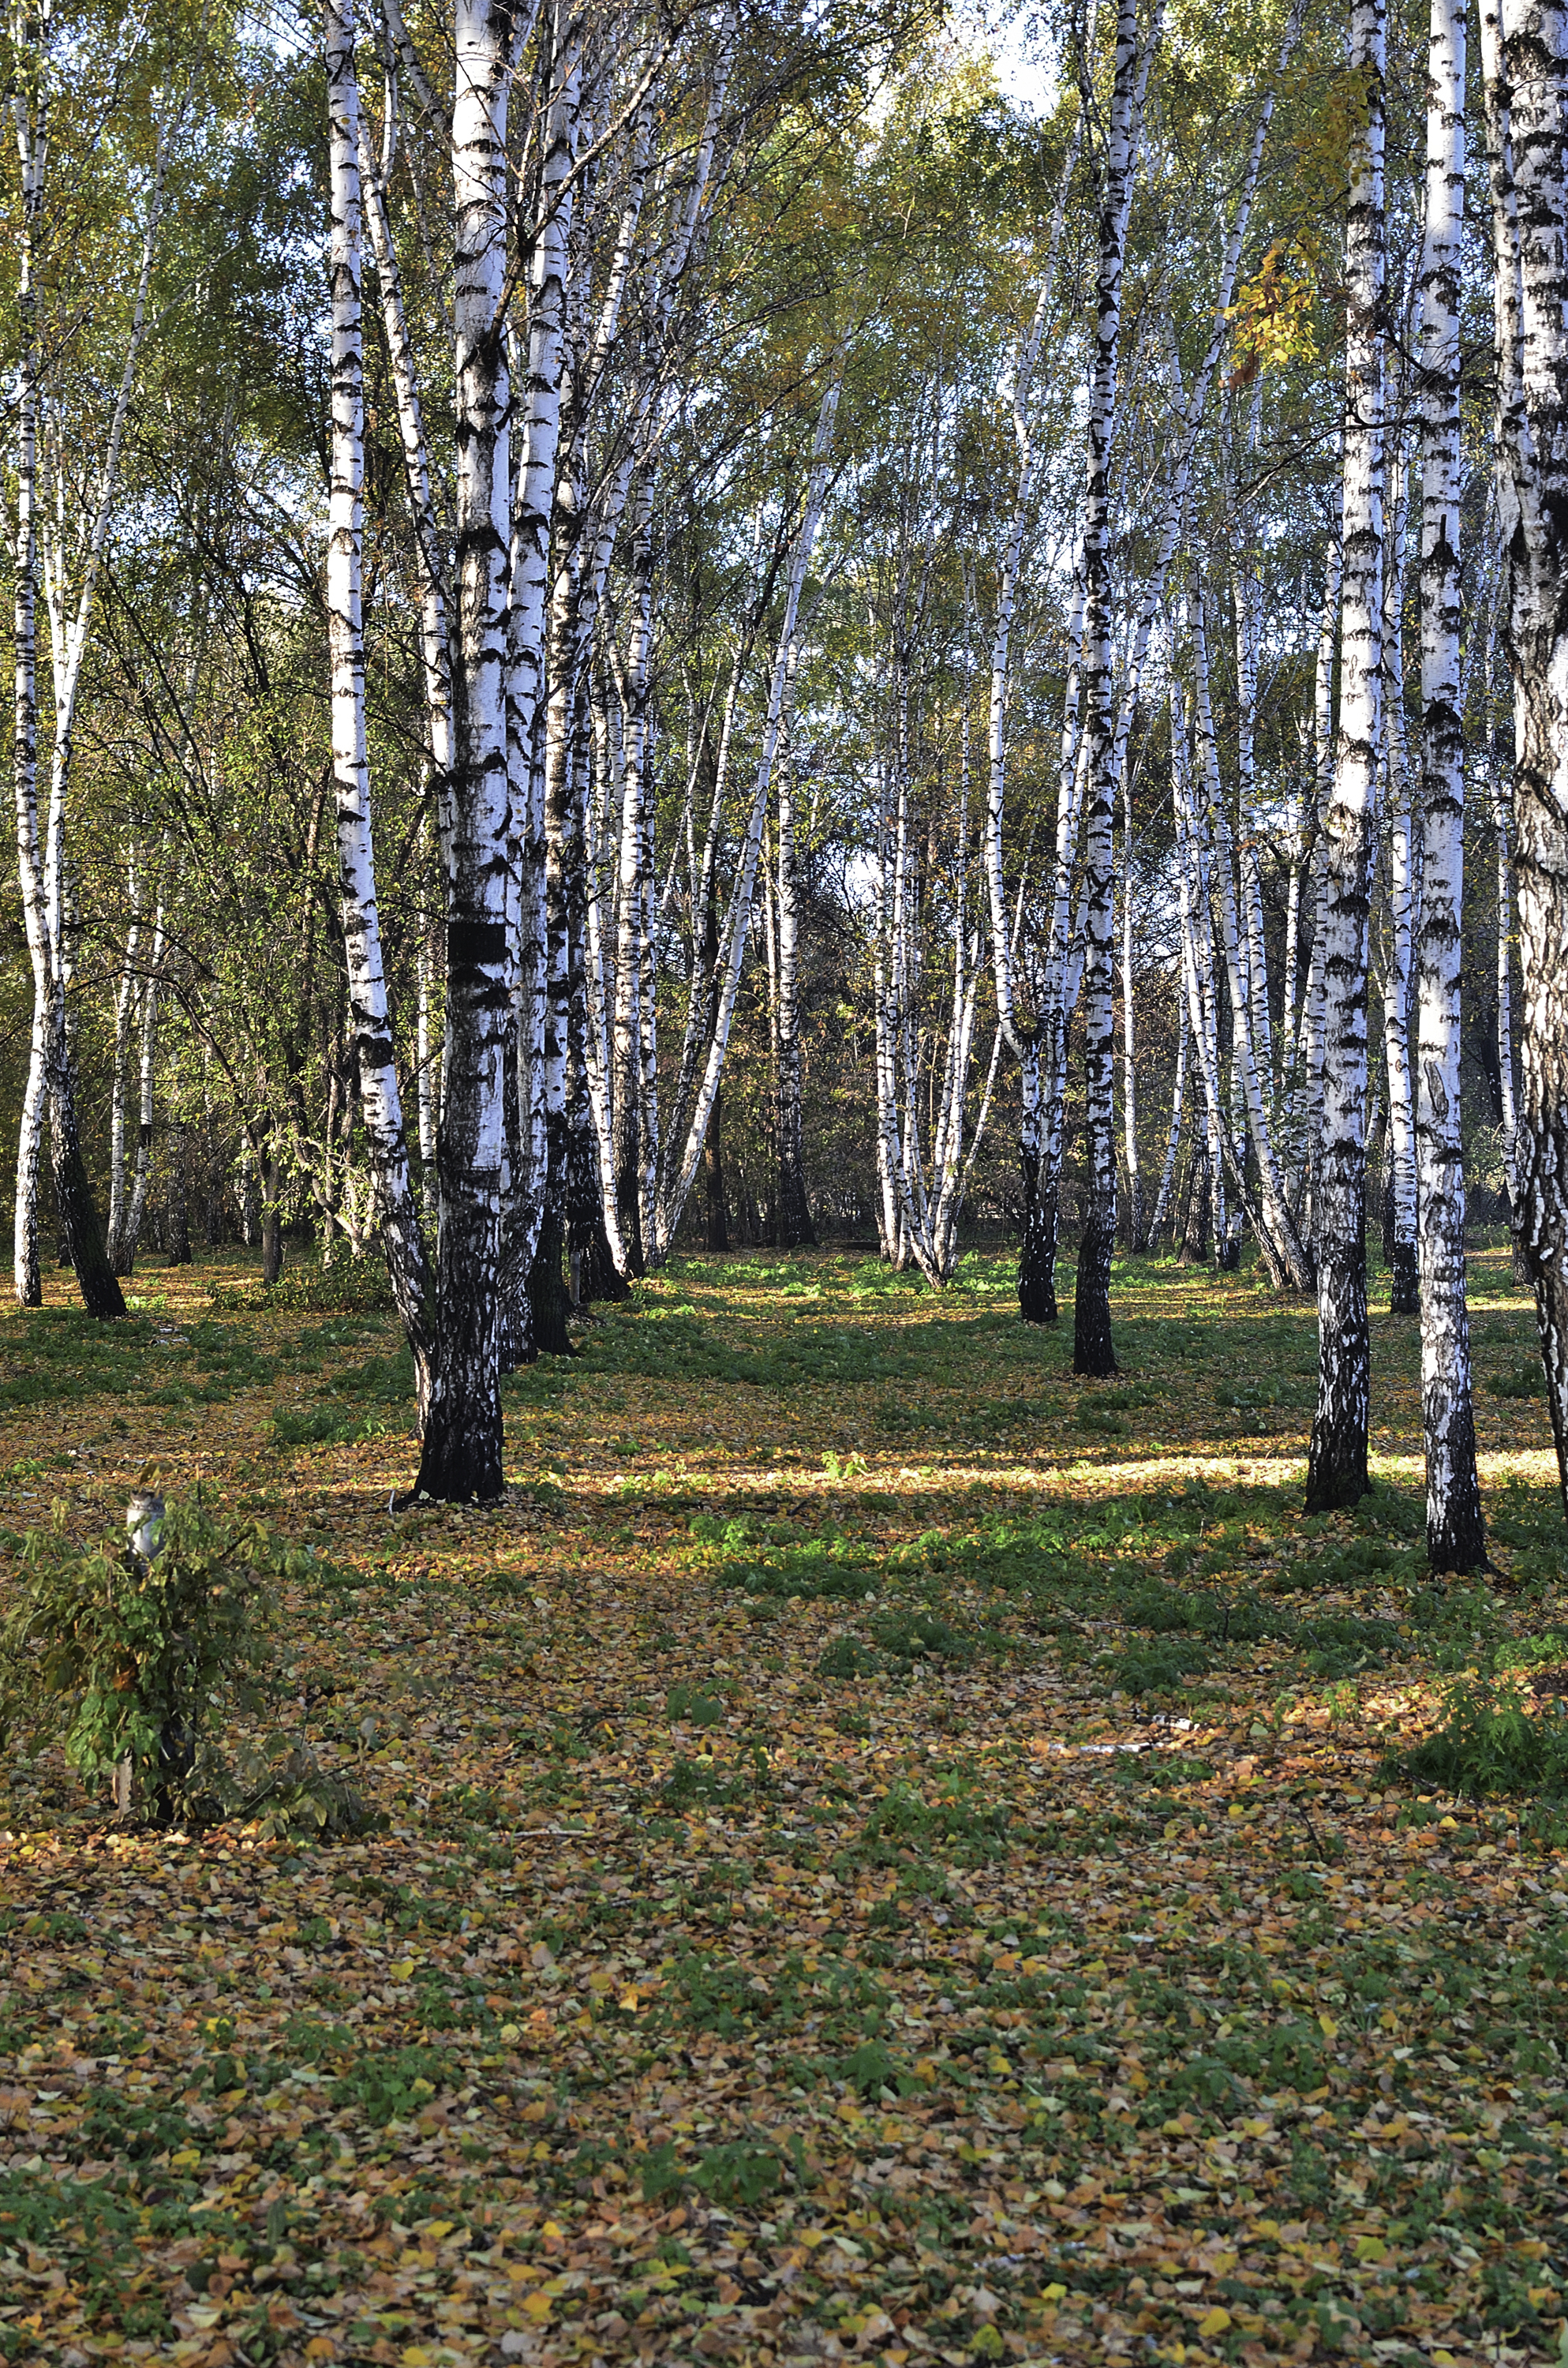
x=934 y=665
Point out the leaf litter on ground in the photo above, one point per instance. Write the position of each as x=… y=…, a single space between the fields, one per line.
x=875 y=1865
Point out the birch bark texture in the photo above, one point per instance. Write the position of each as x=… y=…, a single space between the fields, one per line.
x=462 y=1443
x=1456 y=1534
x=1336 y=1460
x=1093 y=1352
x=1524 y=71
x=369 y=1022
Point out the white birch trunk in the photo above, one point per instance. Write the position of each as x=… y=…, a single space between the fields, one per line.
x=1093 y=1350
x=1405 y=1291
x=1456 y=1535
x=124 y=1027
x=1525 y=66
x=1336 y=1473
x=369 y=1022
x=462 y=1446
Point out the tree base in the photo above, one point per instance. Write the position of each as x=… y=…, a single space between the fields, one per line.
x=1093 y=1354
x=460 y=1464
x=1037 y=1267
x=550 y=1301
x=1405 y=1282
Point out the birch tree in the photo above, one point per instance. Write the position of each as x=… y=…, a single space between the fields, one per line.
x=1093 y=1352
x=1525 y=66
x=1455 y=1536
x=1336 y=1463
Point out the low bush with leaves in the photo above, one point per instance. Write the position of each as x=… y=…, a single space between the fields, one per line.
x=128 y=1665
x=1490 y=1741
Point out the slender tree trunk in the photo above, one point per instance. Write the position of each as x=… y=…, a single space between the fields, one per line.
x=462 y=1445
x=795 y=1226
x=32 y=136
x=1093 y=1351
x=369 y=1016
x=271 y=1217
x=1283 y=1252
x=1405 y=1298
x=1020 y=1029
x=124 y=1030
x=42 y=867
x=590 y=1254
x=125 y=1249
x=627 y=1046
x=1138 y=1237
x=1525 y=64
x=1336 y=1463
x=1456 y=1534
x=1173 y=1140
x=542 y=691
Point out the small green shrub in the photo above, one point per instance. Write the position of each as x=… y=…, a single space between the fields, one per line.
x=910 y=1636
x=689 y=1703
x=744 y=2173
x=1489 y=1741
x=123 y=1660
x=1527 y=1381
x=845 y=1657
x=1158 y=1666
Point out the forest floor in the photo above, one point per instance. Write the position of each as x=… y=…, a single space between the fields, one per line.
x=888 y=1852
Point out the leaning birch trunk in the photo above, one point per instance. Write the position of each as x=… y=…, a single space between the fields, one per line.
x=462 y=1448
x=1405 y=1284
x=136 y=1206
x=627 y=1038
x=124 y=1027
x=737 y=920
x=1336 y=1462
x=543 y=623
x=1525 y=65
x=1138 y=1237
x=368 y=1019
x=1508 y=1117
x=1456 y=1533
x=1093 y=1350
x=1306 y=1090
x=795 y=1226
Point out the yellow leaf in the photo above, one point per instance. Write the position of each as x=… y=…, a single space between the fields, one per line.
x=510 y=2031
x=538 y=2306
x=402 y=1970
x=1055 y=2293
x=319 y=2347
x=187 y=2159
x=1328 y=2026
x=415 y=2356
x=629 y=2001
x=1370 y=2249
x=1214 y=2322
